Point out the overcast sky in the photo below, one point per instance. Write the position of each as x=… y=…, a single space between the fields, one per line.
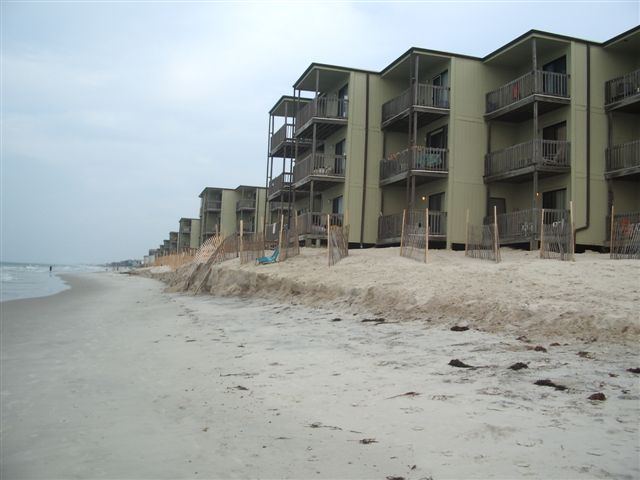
x=115 y=115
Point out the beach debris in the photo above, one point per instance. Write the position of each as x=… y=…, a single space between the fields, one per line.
x=518 y=366
x=457 y=363
x=190 y=340
x=367 y=441
x=613 y=375
x=457 y=328
x=377 y=320
x=240 y=374
x=585 y=355
x=393 y=477
x=205 y=429
x=406 y=394
x=523 y=338
x=336 y=319
x=600 y=397
x=549 y=383
x=539 y=348
x=555 y=344
x=240 y=387
x=633 y=370
x=320 y=425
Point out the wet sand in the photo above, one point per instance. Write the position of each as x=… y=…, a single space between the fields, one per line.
x=116 y=379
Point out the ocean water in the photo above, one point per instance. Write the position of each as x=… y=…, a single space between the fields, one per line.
x=30 y=280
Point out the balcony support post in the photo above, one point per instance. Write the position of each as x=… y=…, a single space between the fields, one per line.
x=534 y=61
x=536 y=143
x=311 y=196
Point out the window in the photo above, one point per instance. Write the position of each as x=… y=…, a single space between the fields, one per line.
x=555 y=199
x=553 y=84
x=437 y=138
x=343 y=101
x=436 y=202
x=554 y=148
x=338 y=167
x=440 y=96
x=337 y=205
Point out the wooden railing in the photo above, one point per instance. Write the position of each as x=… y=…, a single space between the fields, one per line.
x=390 y=226
x=428 y=96
x=213 y=205
x=534 y=82
x=322 y=164
x=625 y=155
x=278 y=206
x=314 y=223
x=280 y=182
x=622 y=87
x=551 y=153
x=414 y=158
x=283 y=133
x=525 y=224
x=323 y=107
x=246 y=203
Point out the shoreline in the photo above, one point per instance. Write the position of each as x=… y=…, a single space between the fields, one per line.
x=116 y=378
x=593 y=297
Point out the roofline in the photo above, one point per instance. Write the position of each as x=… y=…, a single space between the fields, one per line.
x=286 y=97
x=214 y=188
x=333 y=67
x=426 y=51
x=621 y=36
x=249 y=186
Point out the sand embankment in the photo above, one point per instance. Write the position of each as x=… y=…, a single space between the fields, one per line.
x=591 y=298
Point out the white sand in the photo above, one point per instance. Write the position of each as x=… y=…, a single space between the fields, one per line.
x=114 y=379
x=593 y=297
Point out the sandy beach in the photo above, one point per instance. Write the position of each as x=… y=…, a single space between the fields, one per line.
x=117 y=379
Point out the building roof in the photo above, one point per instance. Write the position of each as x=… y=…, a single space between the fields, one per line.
x=332 y=75
x=278 y=109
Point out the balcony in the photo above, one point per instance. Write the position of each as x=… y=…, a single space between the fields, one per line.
x=246 y=204
x=514 y=100
x=213 y=205
x=390 y=226
x=623 y=93
x=323 y=168
x=623 y=160
x=283 y=143
x=328 y=113
x=426 y=163
x=431 y=102
x=279 y=185
x=314 y=224
x=516 y=163
x=278 y=206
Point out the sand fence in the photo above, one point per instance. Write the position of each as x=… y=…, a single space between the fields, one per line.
x=174 y=261
x=337 y=242
x=414 y=236
x=483 y=241
x=624 y=241
x=557 y=234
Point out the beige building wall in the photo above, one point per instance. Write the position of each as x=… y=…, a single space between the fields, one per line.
x=194 y=239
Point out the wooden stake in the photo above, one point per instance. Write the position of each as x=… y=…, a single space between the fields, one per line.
x=280 y=235
x=611 y=234
x=404 y=214
x=426 y=235
x=495 y=233
x=241 y=235
x=329 y=239
x=573 y=238
x=542 y=233
x=466 y=236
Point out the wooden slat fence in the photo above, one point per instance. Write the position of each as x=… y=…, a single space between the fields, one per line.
x=289 y=242
x=251 y=247
x=483 y=241
x=414 y=238
x=624 y=236
x=174 y=260
x=556 y=236
x=338 y=243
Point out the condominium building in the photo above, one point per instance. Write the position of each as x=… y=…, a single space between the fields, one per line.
x=188 y=234
x=221 y=210
x=541 y=123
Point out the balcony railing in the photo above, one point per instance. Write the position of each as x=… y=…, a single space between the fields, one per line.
x=434 y=96
x=622 y=87
x=414 y=158
x=623 y=156
x=281 y=182
x=215 y=205
x=320 y=164
x=626 y=219
x=283 y=133
x=274 y=206
x=246 y=204
x=535 y=82
x=390 y=226
x=549 y=153
x=314 y=223
x=322 y=107
x=524 y=225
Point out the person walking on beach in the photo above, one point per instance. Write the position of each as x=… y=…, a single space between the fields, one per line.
x=50 y=269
